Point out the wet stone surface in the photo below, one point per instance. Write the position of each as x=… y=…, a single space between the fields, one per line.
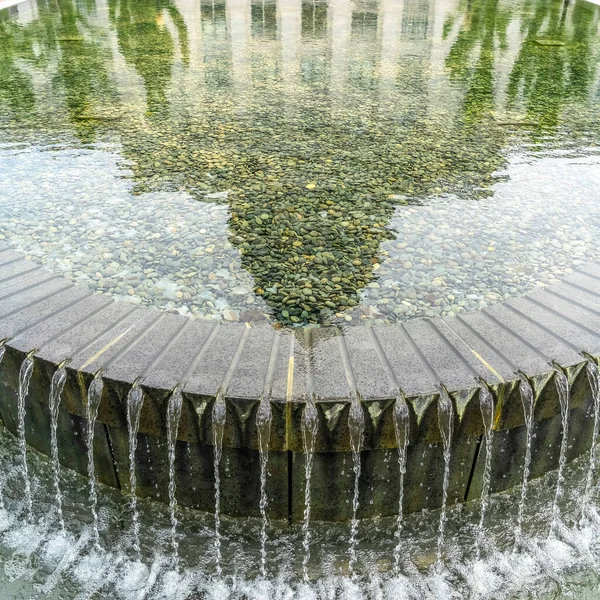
x=301 y=163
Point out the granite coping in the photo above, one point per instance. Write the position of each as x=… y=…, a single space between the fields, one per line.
x=62 y=322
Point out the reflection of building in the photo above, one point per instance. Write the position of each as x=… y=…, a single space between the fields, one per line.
x=239 y=19
x=309 y=118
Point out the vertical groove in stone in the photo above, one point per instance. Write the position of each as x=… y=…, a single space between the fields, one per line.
x=196 y=360
x=164 y=349
x=51 y=315
x=135 y=341
x=11 y=262
x=89 y=344
x=235 y=360
x=27 y=288
x=273 y=354
x=517 y=336
x=486 y=343
x=568 y=298
x=393 y=380
x=417 y=352
x=348 y=370
x=453 y=350
x=542 y=327
x=54 y=337
x=42 y=299
x=562 y=315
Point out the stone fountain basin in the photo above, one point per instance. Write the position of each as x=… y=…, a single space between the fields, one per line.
x=62 y=321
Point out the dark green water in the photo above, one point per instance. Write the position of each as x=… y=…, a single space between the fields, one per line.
x=305 y=162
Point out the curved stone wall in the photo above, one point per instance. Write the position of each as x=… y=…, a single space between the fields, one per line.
x=58 y=321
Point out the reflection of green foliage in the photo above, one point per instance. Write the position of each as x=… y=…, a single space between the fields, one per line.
x=147 y=45
x=484 y=23
x=313 y=175
x=61 y=35
x=548 y=75
x=16 y=90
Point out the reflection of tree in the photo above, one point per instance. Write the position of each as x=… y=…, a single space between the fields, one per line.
x=484 y=23
x=61 y=35
x=311 y=193
x=82 y=72
x=147 y=45
x=16 y=90
x=554 y=62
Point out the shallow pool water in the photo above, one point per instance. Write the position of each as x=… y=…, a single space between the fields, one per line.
x=304 y=162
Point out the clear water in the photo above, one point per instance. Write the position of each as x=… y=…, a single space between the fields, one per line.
x=304 y=162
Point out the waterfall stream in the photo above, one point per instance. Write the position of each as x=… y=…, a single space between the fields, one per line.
x=564 y=392
x=402 y=431
x=593 y=374
x=24 y=379
x=219 y=415
x=135 y=401
x=94 y=396
x=56 y=387
x=486 y=405
x=2 y=351
x=446 y=422
x=527 y=399
x=263 y=425
x=356 y=424
x=310 y=426
x=173 y=415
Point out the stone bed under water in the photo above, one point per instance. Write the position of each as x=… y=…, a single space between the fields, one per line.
x=302 y=162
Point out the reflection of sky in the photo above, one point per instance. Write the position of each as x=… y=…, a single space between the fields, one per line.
x=73 y=210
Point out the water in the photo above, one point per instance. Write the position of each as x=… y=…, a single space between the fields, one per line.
x=135 y=401
x=593 y=374
x=402 y=431
x=24 y=379
x=219 y=415
x=446 y=421
x=564 y=392
x=94 y=397
x=310 y=427
x=527 y=399
x=486 y=404
x=173 y=415
x=2 y=351
x=375 y=106
x=36 y=560
x=56 y=388
x=356 y=424
x=263 y=426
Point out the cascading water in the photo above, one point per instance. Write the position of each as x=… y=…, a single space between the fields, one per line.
x=2 y=351
x=356 y=424
x=91 y=412
x=219 y=414
x=593 y=374
x=527 y=399
x=135 y=401
x=446 y=423
x=24 y=379
x=486 y=405
x=310 y=426
x=173 y=415
x=564 y=392
x=56 y=387
x=263 y=425
x=402 y=430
